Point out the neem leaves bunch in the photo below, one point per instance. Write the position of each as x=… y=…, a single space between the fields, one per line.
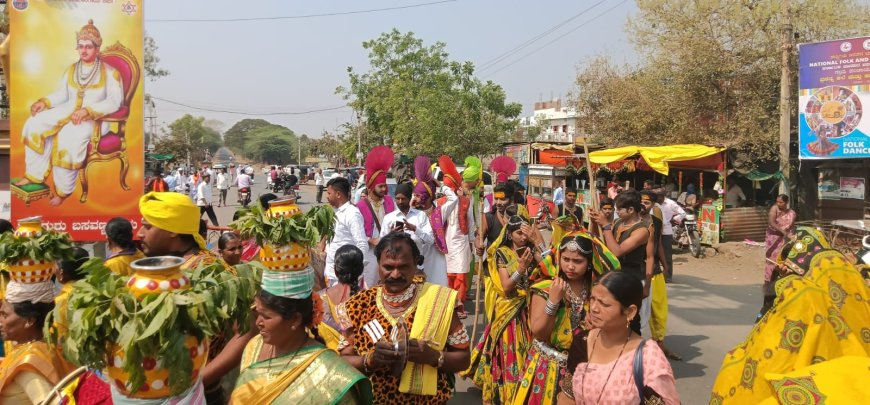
x=103 y=312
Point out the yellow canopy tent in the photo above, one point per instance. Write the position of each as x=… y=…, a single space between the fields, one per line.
x=657 y=157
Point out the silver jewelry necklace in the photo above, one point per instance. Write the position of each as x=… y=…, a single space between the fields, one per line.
x=84 y=79
x=577 y=302
x=400 y=298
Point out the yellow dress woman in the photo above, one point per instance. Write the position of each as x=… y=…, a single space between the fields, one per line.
x=557 y=313
x=283 y=365
x=32 y=368
x=119 y=237
x=820 y=314
x=497 y=360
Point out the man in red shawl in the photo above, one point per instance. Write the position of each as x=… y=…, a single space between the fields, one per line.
x=459 y=232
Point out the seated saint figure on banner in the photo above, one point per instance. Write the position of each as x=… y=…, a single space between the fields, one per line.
x=61 y=124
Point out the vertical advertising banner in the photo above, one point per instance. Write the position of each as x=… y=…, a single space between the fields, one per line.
x=834 y=89
x=76 y=107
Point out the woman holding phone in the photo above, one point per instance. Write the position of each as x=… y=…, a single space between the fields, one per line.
x=496 y=361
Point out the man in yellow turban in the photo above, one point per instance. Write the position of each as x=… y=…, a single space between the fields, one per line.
x=170 y=227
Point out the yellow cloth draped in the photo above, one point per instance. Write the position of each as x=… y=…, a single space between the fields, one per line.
x=34 y=358
x=172 y=212
x=60 y=311
x=314 y=374
x=259 y=392
x=329 y=335
x=657 y=157
x=431 y=323
x=817 y=318
x=120 y=264
x=839 y=381
x=658 y=320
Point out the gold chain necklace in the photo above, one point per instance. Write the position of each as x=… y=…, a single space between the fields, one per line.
x=271 y=375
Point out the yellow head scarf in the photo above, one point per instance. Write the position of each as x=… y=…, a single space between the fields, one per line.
x=172 y=212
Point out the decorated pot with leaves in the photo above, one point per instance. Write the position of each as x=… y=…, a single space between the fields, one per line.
x=157 y=384
x=284 y=207
x=290 y=257
x=32 y=253
x=30 y=227
x=156 y=275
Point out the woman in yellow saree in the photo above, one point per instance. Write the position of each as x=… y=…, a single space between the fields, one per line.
x=283 y=365
x=820 y=314
x=497 y=360
x=557 y=313
x=32 y=368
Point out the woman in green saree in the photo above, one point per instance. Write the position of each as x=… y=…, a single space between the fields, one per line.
x=284 y=364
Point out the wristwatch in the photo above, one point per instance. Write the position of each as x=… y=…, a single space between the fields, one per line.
x=607 y=227
x=440 y=359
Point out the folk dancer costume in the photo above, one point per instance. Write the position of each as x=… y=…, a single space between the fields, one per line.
x=813 y=346
x=460 y=231
x=430 y=316
x=53 y=144
x=434 y=258
x=504 y=167
x=378 y=163
x=576 y=212
x=545 y=368
x=496 y=362
x=311 y=374
x=31 y=369
x=473 y=173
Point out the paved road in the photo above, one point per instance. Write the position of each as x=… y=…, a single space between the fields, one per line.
x=713 y=302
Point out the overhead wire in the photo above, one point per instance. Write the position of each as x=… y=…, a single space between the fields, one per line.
x=249 y=113
x=555 y=39
x=294 y=17
x=508 y=53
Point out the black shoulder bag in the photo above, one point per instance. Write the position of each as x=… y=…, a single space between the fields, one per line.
x=647 y=395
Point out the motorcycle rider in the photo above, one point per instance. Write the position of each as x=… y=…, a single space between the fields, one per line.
x=244 y=182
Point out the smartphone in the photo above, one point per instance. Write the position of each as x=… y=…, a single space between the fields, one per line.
x=521 y=251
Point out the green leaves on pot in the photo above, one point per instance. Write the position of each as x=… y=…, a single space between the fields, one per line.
x=305 y=229
x=51 y=246
x=104 y=315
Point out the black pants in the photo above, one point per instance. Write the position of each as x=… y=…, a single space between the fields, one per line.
x=319 y=194
x=210 y=210
x=668 y=242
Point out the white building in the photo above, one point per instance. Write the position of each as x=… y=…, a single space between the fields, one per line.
x=557 y=122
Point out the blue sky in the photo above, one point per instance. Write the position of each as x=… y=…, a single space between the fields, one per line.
x=294 y=65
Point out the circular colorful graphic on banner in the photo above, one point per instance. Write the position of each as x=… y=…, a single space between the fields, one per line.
x=832 y=112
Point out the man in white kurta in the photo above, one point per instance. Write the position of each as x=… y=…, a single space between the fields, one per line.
x=61 y=125
x=434 y=261
x=409 y=220
x=459 y=243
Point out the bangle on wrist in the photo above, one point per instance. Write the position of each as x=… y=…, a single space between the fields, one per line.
x=607 y=227
x=440 y=359
x=366 y=363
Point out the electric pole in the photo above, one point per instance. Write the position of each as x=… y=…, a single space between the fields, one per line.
x=785 y=98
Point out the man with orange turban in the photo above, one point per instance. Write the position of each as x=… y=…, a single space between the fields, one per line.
x=459 y=232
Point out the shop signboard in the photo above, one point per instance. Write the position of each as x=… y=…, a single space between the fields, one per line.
x=77 y=154
x=834 y=89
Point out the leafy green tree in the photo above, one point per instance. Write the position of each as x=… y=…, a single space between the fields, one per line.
x=273 y=144
x=708 y=72
x=186 y=138
x=417 y=100
x=236 y=137
x=151 y=62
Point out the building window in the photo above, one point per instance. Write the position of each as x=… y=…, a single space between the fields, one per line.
x=565 y=128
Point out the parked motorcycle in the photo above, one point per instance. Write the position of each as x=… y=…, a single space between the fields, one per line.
x=686 y=233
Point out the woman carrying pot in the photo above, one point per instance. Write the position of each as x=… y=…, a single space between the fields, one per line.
x=283 y=364
x=32 y=368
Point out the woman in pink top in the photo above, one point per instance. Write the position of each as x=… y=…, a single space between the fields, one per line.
x=603 y=360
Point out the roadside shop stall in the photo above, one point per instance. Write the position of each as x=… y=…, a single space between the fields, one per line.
x=681 y=167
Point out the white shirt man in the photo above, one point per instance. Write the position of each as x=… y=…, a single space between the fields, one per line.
x=180 y=181
x=349 y=230
x=734 y=196
x=422 y=234
x=203 y=194
x=559 y=196
x=671 y=211
x=243 y=181
x=222 y=181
